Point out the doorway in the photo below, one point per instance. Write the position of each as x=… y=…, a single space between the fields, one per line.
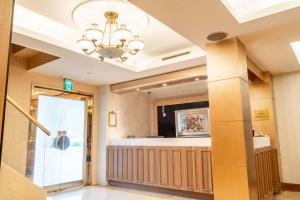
x=60 y=161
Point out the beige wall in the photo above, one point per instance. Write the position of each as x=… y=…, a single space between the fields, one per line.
x=287 y=96
x=133 y=118
x=16 y=126
x=133 y=110
x=133 y=114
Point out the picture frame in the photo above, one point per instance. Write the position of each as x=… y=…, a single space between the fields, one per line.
x=192 y=122
x=112 y=119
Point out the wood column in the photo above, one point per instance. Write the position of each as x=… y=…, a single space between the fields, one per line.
x=6 y=13
x=232 y=144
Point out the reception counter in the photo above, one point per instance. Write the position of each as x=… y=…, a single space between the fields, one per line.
x=259 y=142
x=181 y=164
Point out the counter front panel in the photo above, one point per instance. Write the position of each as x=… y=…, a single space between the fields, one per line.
x=182 y=168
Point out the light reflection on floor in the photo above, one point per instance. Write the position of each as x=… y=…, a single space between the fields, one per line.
x=112 y=193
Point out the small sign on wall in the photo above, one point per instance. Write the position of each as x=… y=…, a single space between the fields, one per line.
x=261 y=115
x=112 y=119
x=68 y=85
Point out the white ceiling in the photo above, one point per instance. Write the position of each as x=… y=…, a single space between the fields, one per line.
x=266 y=38
x=245 y=10
x=194 y=20
x=51 y=22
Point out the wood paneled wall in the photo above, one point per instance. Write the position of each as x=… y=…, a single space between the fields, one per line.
x=183 y=168
x=6 y=10
x=267 y=172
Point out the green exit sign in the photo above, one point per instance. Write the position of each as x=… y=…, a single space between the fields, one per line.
x=68 y=84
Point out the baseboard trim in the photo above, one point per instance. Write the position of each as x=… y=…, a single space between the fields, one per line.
x=189 y=194
x=290 y=187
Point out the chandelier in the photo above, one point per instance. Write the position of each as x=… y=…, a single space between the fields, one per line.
x=113 y=41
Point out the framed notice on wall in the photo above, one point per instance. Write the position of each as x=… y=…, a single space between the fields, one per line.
x=112 y=119
x=261 y=115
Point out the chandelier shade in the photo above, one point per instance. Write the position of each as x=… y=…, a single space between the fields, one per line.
x=104 y=35
x=122 y=34
x=93 y=34
x=85 y=44
x=136 y=44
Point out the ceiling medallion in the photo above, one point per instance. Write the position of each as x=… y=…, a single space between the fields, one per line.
x=112 y=40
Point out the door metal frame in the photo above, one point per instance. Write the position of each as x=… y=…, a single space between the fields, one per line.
x=38 y=89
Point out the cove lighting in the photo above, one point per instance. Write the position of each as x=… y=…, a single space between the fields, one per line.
x=296 y=48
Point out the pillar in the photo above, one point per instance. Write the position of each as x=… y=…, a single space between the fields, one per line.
x=6 y=10
x=230 y=120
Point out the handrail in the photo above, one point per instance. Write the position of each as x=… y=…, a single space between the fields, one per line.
x=27 y=115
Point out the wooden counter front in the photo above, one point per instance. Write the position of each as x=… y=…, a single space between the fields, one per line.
x=182 y=168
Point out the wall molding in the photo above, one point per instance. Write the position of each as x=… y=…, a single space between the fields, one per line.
x=290 y=187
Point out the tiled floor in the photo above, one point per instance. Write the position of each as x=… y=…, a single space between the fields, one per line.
x=112 y=193
x=288 y=196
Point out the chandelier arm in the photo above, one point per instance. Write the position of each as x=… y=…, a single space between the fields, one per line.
x=132 y=52
x=87 y=52
x=103 y=34
x=109 y=42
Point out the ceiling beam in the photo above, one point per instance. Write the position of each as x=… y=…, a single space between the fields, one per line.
x=177 y=77
x=170 y=78
x=33 y=58
x=255 y=72
x=16 y=48
x=39 y=59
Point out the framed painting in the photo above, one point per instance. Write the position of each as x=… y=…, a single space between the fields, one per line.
x=192 y=122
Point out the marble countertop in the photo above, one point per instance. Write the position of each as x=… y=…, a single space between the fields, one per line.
x=259 y=142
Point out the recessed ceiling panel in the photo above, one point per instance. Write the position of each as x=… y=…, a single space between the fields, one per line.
x=247 y=10
x=296 y=48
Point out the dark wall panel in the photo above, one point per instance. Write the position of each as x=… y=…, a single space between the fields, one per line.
x=166 y=125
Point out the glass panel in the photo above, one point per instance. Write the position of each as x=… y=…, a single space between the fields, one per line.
x=59 y=158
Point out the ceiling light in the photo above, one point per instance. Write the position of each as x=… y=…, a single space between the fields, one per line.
x=296 y=48
x=138 y=89
x=197 y=79
x=106 y=38
x=164 y=84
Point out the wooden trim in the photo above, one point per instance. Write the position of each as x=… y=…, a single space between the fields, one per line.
x=175 y=77
x=290 y=187
x=27 y=115
x=6 y=16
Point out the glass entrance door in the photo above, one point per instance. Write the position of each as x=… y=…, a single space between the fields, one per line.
x=60 y=160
